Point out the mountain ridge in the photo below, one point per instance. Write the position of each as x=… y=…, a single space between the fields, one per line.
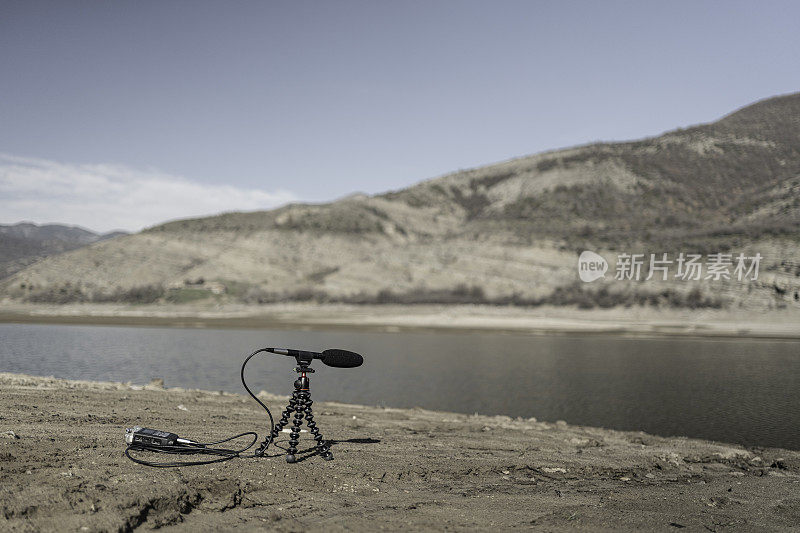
x=506 y=232
x=24 y=243
x=579 y=171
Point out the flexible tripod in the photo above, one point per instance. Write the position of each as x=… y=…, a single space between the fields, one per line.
x=300 y=405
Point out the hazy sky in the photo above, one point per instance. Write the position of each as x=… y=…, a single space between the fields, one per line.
x=127 y=113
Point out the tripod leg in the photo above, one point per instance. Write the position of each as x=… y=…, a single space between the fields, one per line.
x=322 y=447
x=294 y=438
x=292 y=407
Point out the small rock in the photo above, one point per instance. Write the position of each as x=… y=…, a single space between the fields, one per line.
x=486 y=428
x=9 y=435
x=581 y=442
x=624 y=479
x=183 y=407
x=779 y=463
x=506 y=472
x=733 y=453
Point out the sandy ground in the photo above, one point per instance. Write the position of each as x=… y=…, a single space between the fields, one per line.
x=62 y=468
x=646 y=321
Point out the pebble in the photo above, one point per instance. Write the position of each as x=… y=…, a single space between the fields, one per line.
x=183 y=407
x=9 y=435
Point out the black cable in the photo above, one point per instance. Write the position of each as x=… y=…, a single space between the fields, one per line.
x=198 y=448
x=268 y=438
x=190 y=449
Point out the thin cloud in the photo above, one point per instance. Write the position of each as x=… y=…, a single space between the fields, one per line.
x=105 y=197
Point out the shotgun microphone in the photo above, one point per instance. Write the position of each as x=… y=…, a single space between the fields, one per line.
x=335 y=358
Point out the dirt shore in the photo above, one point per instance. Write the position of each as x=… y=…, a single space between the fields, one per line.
x=640 y=321
x=62 y=468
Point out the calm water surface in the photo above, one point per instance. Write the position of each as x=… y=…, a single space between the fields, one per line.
x=745 y=391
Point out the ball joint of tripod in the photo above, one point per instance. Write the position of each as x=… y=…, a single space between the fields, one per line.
x=301 y=383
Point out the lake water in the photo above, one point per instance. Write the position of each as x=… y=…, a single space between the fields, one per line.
x=736 y=390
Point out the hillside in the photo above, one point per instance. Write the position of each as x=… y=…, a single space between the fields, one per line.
x=503 y=233
x=25 y=243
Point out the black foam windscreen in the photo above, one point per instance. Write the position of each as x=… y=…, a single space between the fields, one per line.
x=341 y=358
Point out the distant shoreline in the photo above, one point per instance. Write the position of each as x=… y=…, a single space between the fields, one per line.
x=784 y=324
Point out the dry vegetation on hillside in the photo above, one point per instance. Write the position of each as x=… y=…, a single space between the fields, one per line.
x=505 y=234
